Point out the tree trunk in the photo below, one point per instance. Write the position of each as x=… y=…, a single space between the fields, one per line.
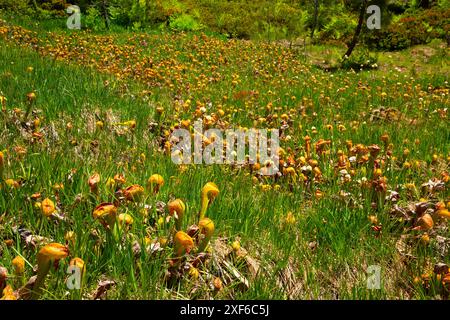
x=316 y=14
x=105 y=14
x=362 y=13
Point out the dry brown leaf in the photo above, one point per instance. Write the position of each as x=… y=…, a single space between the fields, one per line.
x=102 y=289
x=403 y=247
x=441 y=268
x=230 y=268
x=432 y=186
x=442 y=245
x=288 y=281
x=25 y=291
x=3 y=277
x=253 y=266
x=136 y=248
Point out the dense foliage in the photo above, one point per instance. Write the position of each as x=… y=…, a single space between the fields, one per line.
x=405 y=23
x=412 y=29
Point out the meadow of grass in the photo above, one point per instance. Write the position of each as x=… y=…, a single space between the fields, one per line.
x=364 y=167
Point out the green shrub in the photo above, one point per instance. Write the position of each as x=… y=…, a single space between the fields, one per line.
x=185 y=22
x=143 y=13
x=55 y=7
x=17 y=6
x=361 y=59
x=338 y=28
x=410 y=30
x=92 y=19
x=266 y=19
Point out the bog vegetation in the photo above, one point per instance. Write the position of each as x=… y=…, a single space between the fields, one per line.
x=87 y=181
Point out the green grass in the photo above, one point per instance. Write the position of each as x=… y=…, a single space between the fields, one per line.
x=72 y=92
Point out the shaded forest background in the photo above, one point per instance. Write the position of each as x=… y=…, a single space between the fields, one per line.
x=404 y=23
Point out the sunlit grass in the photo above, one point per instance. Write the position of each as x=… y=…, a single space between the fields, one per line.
x=311 y=235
